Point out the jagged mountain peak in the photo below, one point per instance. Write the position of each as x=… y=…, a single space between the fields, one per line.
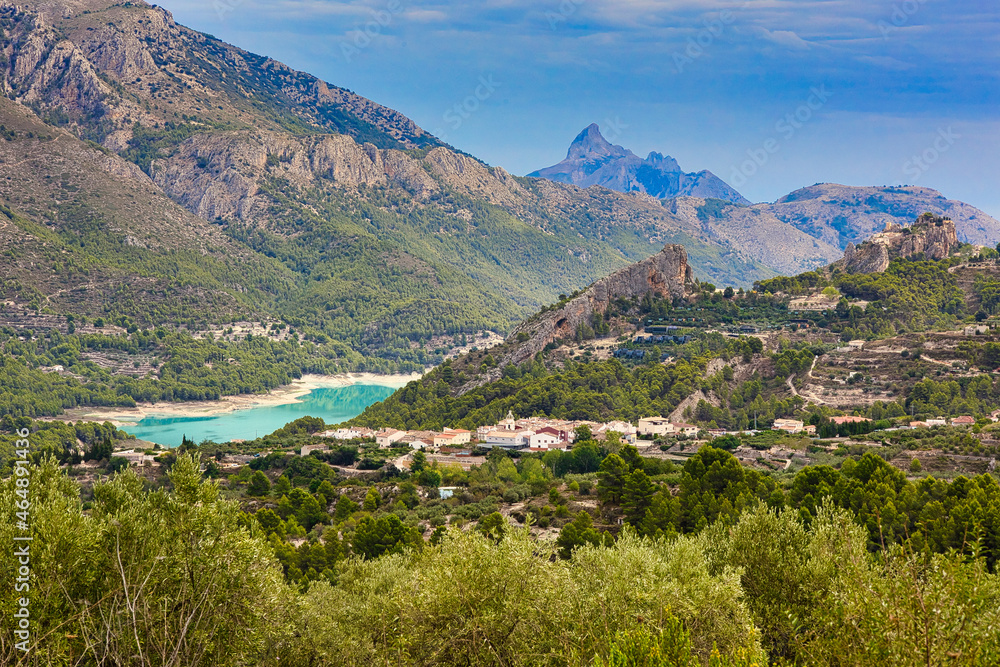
x=591 y=144
x=593 y=160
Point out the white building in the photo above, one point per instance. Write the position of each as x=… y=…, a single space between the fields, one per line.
x=655 y=426
x=788 y=425
x=385 y=439
x=626 y=430
x=544 y=440
x=689 y=430
x=509 y=439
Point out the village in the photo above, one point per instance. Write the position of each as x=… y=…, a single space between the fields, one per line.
x=654 y=436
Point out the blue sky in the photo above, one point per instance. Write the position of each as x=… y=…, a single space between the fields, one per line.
x=861 y=92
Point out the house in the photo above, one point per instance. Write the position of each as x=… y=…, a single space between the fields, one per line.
x=938 y=421
x=689 y=430
x=848 y=419
x=976 y=330
x=420 y=444
x=458 y=436
x=626 y=430
x=452 y=437
x=810 y=429
x=385 y=439
x=655 y=426
x=995 y=415
x=788 y=425
x=918 y=424
x=308 y=449
x=856 y=344
x=563 y=435
x=545 y=440
x=345 y=434
x=134 y=457
x=964 y=420
x=508 y=439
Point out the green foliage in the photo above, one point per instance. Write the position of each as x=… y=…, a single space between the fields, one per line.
x=259 y=485
x=385 y=535
x=122 y=579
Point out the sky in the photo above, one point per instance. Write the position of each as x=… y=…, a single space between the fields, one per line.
x=770 y=95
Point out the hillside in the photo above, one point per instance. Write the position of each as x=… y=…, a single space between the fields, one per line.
x=377 y=235
x=322 y=209
x=783 y=343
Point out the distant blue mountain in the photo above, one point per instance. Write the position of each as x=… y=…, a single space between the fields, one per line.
x=593 y=160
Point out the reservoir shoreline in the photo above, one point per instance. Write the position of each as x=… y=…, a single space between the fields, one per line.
x=284 y=395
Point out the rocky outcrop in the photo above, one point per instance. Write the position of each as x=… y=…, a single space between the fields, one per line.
x=933 y=237
x=665 y=274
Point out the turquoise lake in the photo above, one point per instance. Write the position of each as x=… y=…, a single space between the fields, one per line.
x=332 y=404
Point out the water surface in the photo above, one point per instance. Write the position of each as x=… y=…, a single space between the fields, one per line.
x=332 y=404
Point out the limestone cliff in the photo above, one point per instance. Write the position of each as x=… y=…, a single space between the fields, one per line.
x=932 y=236
x=665 y=274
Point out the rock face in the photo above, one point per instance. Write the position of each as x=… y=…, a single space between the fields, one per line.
x=593 y=160
x=665 y=274
x=932 y=236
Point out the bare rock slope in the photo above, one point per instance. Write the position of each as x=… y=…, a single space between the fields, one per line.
x=665 y=274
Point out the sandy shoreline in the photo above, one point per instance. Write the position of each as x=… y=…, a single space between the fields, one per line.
x=290 y=393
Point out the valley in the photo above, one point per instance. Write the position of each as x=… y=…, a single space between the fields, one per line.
x=285 y=379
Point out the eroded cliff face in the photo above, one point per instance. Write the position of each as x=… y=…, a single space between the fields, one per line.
x=219 y=176
x=665 y=274
x=933 y=236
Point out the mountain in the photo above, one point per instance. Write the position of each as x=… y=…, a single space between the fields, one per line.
x=841 y=214
x=157 y=174
x=356 y=224
x=593 y=160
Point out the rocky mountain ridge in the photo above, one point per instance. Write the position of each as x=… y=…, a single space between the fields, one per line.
x=931 y=236
x=665 y=274
x=356 y=220
x=593 y=160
